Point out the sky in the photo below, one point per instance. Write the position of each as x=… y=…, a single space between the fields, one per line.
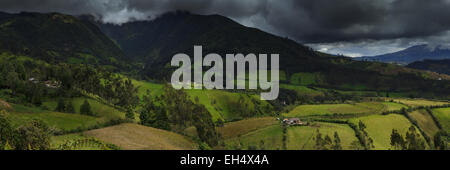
x=349 y=27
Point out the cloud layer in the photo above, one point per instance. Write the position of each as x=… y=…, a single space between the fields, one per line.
x=307 y=21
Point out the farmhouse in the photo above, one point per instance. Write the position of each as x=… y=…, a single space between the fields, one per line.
x=293 y=121
x=52 y=84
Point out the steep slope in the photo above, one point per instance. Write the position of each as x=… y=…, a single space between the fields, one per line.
x=155 y=42
x=439 y=66
x=56 y=37
x=409 y=55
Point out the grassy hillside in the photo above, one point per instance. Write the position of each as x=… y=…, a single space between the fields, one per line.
x=379 y=128
x=100 y=110
x=136 y=137
x=19 y=114
x=323 y=109
x=271 y=137
x=303 y=137
x=419 y=102
x=235 y=129
x=301 y=90
x=425 y=122
x=356 y=108
x=443 y=116
x=155 y=88
x=63 y=121
x=220 y=103
x=304 y=79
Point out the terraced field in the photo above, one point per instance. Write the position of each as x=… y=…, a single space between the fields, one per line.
x=302 y=137
x=136 y=137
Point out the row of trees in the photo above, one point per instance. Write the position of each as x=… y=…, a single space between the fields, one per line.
x=412 y=140
x=68 y=107
x=326 y=143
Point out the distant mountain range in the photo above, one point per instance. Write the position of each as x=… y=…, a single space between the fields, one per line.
x=409 y=55
x=438 y=66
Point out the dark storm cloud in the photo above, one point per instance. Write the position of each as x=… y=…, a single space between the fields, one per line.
x=309 y=21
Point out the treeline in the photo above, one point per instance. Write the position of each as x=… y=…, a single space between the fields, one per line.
x=327 y=143
x=412 y=140
x=29 y=81
x=174 y=110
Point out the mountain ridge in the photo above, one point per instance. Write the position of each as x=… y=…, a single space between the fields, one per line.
x=56 y=37
x=411 y=54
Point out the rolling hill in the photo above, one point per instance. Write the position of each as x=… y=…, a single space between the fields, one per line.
x=438 y=66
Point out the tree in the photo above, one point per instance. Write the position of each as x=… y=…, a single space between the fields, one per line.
x=337 y=142
x=129 y=114
x=220 y=123
x=413 y=140
x=261 y=145
x=34 y=135
x=320 y=142
x=86 y=108
x=366 y=141
x=69 y=107
x=439 y=139
x=12 y=80
x=356 y=145
x=206 y=128
x=152 y=115
x=6 y=130
x=397 y=140
x=61 y=107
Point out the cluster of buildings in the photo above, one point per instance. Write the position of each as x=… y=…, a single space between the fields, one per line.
x=48 y=83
